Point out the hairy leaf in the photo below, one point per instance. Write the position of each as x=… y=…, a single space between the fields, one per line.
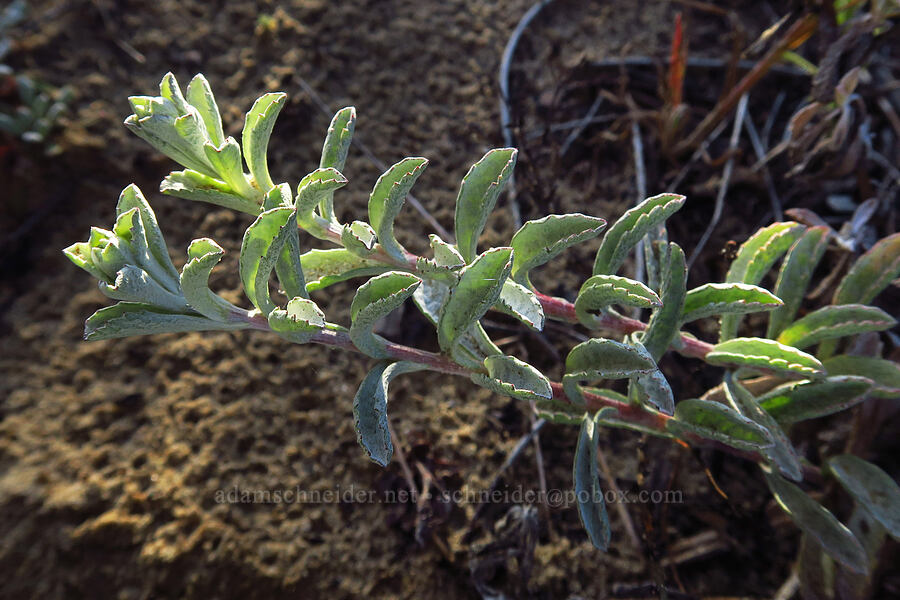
x=754 y=259
x=258 y=126
x=479 y=287
x=722 y=298
x=387 y=199
x=133 y=284
x=200 y=96
x=884 y=373
x=158 y=262
x=718 y=422
x=588 y=494
x=834 y=322
x=358 y=238
x=818 y=522
x=262 y=246
x=512 y=377
x=323 y=268
x=539 y=241
x=663 y=326
x=477 y=196
x=374 y=300
x=198 y=187
x=370 y=410
x=799 y=401
x=871 y=273
x=600 y=358
x=793 y=279
x=203 y=255
x=299 y=322
x=312 y=190
x=520 y=302
x=765 y=354
x=226 y=159
x=871 y=487
x=334 y=152
x=631 y=228
x=126 y=319
x=602 y=291
x=430 y=298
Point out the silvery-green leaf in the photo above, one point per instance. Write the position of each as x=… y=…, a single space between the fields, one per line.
x=192 y=185
x=161 y=266
x=226 y=159
x=831 y=322
x=370 y=410
x=323 y=268
x=126 y=319
x=133 y=284
x=754 y=259
x=170 y=90
x=311 y=191
x=334 y=152
x=631 y=228
x=358 y=238
x=600 y=358
x=288 y=266
x=522 y=303
x=80 y=254
x=430 y=298
x=663 y=326
x=258 y=126
x=588 y=495
x=374 y=300
x=718 y=422
x=110 y=254
x=817 y=521
x=261 y=247
x=794 y=276
x=200 y=96
x=782 y=452
x=539 y=241
x=798 y=401
x=871 y=487
x=884 y=373
x=871 y=273
x=602 y=291
x=726 y=298
x=299 y=322
x=477 y=196
x=652 y=387
x=387 y=199
x=279 y=196
x=445 y=255
x=765 y=354
x=478 y=289
x=512 y=377
x=203 y=255
x=155 y=120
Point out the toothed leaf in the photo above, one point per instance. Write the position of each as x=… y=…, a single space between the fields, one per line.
x=512 y=377
x=602 y=291
x=520 y=302
x=794 y=276
x=799 y=401
x=871 y=273
x=765 y=354
x=727 y=298
x=884 y=373
x=323 y=268
x=663 y=326
x=834 y=322
x=387 y=199
x=334 y=152
x=718 y=422
x=203 y=255
x=374 y=300
x=127 y=319
x=258 y=126
x=477 y=196
x=300 y=322
x=537 y=242
x=588 y=494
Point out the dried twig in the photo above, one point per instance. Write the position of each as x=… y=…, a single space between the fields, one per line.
x=760 y=152
x=641 y=183
x=580 y=124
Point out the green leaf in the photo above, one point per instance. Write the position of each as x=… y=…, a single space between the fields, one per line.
x=198 y=187
x=158 y=262
x=258 y=126
x=520 y=302
x=359 y=238
x=600 y=358
x=818 y=522
x=718 y=422
x=262 y=247
x=479 y=288
x=200 y=96
x=588 y=494
x=80 y=254
x=313 y=189
x=203 y=255
x=127 y=319
x=663 y=326
x=323 y=268
x=871 y=273
x=477 y=196
x=133 y=284
x=300 y=322
x=765 y=354
x=794 y=277
x=387 y=199
x=721 y=298
x=226 y=159
x=334 y=151
x=430 y=298
x=834 y=322
x=278 y=197
x=885 y=373
x=473 y=346
x=631 y=228
x=871 y=487
x=782 y=452
x=602 y=291
x=799 y=401
x=512 y=377
x=539 y=241
x=374 y=300
x=370 y=410
x=754 y=259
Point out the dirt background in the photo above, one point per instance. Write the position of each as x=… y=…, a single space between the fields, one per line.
x=112 y=453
